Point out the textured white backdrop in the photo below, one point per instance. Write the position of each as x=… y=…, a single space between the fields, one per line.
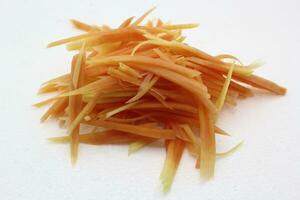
x=267 y=166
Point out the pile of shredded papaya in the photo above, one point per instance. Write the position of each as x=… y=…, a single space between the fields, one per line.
x=138 y=84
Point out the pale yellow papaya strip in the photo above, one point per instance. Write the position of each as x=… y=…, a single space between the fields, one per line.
x=134 y=129
x=80 y=25
x=75 y=102
x=180 y=26
x=138 y=145
x=102 y=137
x=208 y=143
x=262 y=83
x=140 y=19
x=231 y=150
x=122 y=108
x=222 y=96
x=174 y=152
x=127 y=22
x=97 y=38
x=71 y=39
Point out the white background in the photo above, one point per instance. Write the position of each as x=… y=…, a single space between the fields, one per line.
x=267 y=166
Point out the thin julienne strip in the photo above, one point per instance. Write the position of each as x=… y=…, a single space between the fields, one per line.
x=75 y=102
x=137 y=145
x=180 y=26
x=139 y=20
x=102 y=36
x=71 y=39
x=74 y=105
x=103 y=137
x=134 y=129
x=126 y=23
x=80 y=25
x=120 y=109
x=262 y=83
x=174 y=152
x=119 y=35
x=208 y=144
x=222 y=97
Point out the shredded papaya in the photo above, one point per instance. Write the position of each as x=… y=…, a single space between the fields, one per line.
x=141 y=84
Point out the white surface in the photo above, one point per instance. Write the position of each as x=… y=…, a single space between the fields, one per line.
x=266 y=167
